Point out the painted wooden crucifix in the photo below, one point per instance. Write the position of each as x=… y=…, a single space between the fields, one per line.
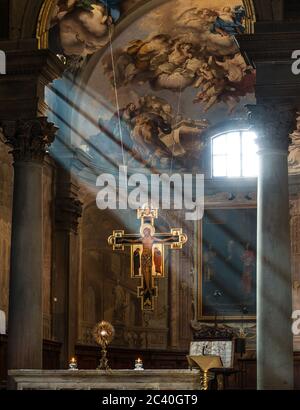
x=147 y=253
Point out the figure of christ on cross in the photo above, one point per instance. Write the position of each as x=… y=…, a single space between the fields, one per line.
x=147 y=241
x=148 y=291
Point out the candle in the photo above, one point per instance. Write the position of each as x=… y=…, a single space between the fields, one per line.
x=73 y=364
x=138 y=364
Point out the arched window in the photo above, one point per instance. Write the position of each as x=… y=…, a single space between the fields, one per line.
x=234 y=154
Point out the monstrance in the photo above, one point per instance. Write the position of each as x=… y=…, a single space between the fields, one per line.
x=103 y=334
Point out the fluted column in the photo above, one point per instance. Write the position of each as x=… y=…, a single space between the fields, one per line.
x=29 y=140
x=273 y=124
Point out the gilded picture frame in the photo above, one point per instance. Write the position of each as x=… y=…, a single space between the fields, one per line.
x=226 y=288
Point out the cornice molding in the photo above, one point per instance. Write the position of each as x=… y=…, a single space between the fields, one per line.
x=261 y=47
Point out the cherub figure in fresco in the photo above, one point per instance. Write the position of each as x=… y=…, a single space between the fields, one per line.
x=208 y=14
x=139 y=58
x=233 y=91
x=234 y=67
x=151 y=103
x=180 y=53
x=181 y=69
x=83 y=31
x=229 y=22
x=210 y=93
x=204 y=75
x=113 y=6
x=207 y=72
x=224 y=80
x=175 y=79
x=148 y=54
x=173 y=73
x=199 y=18
x=81 y=27
x=147 y=146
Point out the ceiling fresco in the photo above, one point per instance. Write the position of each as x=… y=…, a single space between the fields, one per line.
x=169 y=75
x=81 y=27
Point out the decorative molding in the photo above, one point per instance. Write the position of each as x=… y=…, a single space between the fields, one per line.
x=250 y=16
x=68 y=213
x=43 y=64
x=43 y=24
x=231 y=199
x=273 y=124
x=263 y=47
x=29 y=139
x=202 y=332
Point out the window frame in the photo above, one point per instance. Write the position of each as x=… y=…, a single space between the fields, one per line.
x=240 y=131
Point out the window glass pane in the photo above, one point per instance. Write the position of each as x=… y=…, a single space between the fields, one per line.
x=220 y=145
x=249 y=153
x=234 y=166
x=234 y=154
x=219 y=166
x=234 y=144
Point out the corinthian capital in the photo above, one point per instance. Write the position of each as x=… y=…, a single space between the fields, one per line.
x=273 y=124
x=29 y=139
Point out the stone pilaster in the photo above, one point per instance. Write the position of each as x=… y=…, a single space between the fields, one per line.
x=273 y=124
x=68 y=211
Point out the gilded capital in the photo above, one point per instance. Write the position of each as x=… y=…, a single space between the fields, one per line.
x=273 y=124
x=29 y=139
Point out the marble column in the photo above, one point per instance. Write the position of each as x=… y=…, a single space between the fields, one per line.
x=29 y=140
x=273 y=124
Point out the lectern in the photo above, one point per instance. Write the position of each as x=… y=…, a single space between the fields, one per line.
x=205 y=363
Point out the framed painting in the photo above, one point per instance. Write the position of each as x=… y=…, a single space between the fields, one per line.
x=226 y=280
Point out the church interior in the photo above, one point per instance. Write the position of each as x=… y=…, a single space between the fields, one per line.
x=98 y=100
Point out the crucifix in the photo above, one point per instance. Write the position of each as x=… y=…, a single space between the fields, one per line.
x=147 y=253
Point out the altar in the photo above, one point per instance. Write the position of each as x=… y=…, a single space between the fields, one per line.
x=104 y=380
